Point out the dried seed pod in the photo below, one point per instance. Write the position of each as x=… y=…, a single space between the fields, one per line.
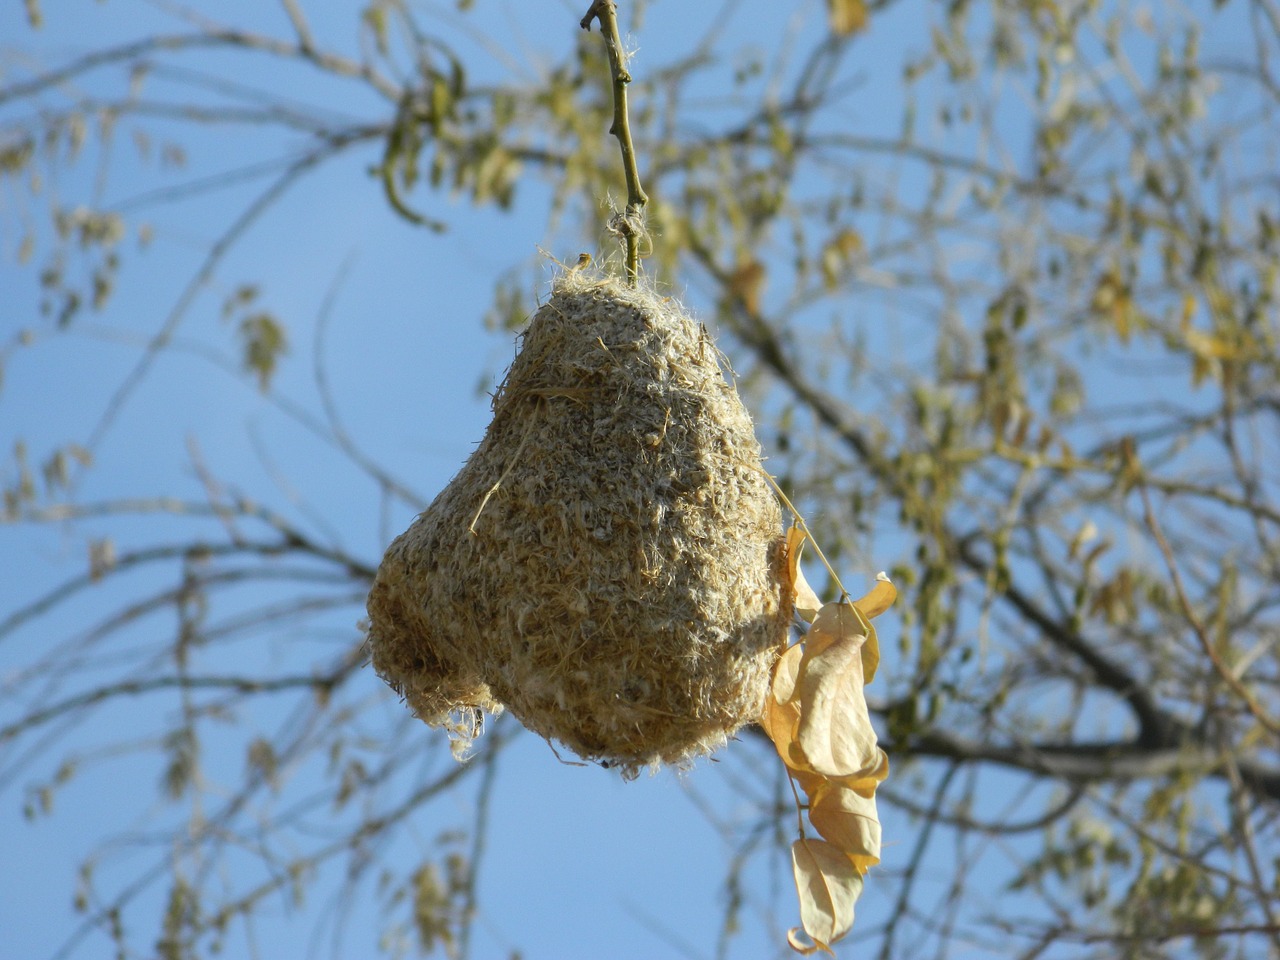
x=608 y=564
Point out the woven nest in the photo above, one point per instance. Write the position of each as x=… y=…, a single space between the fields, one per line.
x=608 y=563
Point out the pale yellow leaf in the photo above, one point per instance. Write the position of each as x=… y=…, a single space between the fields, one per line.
x=846 y=16
x=866 y=781
x=781 y=712
x=807 y=602
x=785 y=673
x=838 y=254
x=879 y=599
x=796 y=942
x=806 y=781
x=870 y=655
x=746 y=284
x=835 y=621
x=828 y=886
x=781 y=715
x=847 y=819
x=834 y=737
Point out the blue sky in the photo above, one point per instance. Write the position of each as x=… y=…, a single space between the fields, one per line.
x=578 y=862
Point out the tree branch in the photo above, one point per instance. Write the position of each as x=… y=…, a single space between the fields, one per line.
x=1184 y=602
x=630 y=225
x=1104 y=762
x=130 y=688
x=1156 y=728
x=140 y=49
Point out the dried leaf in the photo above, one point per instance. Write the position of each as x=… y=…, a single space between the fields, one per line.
x=846 y=16
x=870 y=651
x=879 y=599
x=781 y=713
x=786 y=672
x=806 y=781
x=816 y=714
x=848 y=819
x=795 y=942
x=807 y=602
x=837 y=255
x=263 y=343
x=781 y=716
x=834 y=737
x=828 y=885
x=747 y=283
x=102 y=558
x=866 y=781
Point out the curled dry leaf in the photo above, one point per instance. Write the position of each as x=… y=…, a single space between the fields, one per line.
x=879 y=599
x=782 y=715
x=834 y=737
x=781 y=711
x=847 y=818
x=807 y=602
x=866 y=781
x=829 y=885
x=785 y=674
x=846 y=16
x=816 y=715
x=796 y=941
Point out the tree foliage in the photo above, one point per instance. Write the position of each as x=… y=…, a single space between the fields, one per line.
x=999 y=280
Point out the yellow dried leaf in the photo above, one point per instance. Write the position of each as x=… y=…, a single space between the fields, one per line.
x=807 y=602
x=806 y=781
x=835 y=621
x=781 y=713
x=866 y=781
x=828 y=886
x=785 y=674
x=870 y=654
x=797 y=944
x=834 y=737
x=747 y=283
x=848 y=819
x=879 y=598
x=846 y=16
x=837 y=256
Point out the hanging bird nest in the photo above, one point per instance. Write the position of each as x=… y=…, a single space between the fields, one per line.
x=608 y=565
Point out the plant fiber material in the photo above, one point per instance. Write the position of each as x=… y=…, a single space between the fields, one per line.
x=608 y=564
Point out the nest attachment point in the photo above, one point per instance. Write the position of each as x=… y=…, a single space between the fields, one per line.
x=608 y=565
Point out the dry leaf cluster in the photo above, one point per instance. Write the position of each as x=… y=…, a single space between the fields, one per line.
x=817 y=717
x=609 y=563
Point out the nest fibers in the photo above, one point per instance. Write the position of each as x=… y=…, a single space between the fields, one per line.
x=608 y=564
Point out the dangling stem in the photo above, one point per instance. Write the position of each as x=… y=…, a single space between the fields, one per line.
x=630 y=226
x=808 y=535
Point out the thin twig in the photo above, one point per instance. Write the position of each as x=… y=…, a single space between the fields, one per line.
x=180 y=681
x=630 y=225
x=1184 y=601
x=803 y=527
x=267 y=199
x=213 y=492
x=1244 y=834
x=484 y=795
x=210 y=35
x=306 y=43
x=917 y=859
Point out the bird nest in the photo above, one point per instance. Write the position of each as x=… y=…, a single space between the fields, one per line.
x=608 y=565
